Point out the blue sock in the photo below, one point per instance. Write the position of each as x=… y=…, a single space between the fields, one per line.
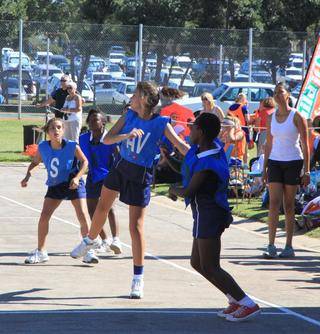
x=138 y=270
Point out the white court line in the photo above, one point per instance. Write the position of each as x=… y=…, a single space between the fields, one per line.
x=281 y=308
x=144 y=311
x=236 y=227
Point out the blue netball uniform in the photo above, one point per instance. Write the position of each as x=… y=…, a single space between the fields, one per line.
x=61 y=167
x=132 y=171
x=100 y=158
x=210 y=207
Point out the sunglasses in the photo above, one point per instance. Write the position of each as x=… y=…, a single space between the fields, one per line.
x=63 y=80
x=204 y=99
x=69 y=88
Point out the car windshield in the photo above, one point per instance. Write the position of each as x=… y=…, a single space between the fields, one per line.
x=96 y=63
x=131 y=89
x=187 y=89
x=219 y=91
x=184 y=64
x=101 y=77
x=51 y=72
x=15 y=61
x=114 y=68
x=116 y=56
x=297 y=64
x=293 y=72
x=198 y=90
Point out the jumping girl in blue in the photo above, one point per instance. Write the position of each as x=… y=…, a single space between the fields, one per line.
x=139 y=131
x=205 y=183
x=100 y=157
x=60 y=157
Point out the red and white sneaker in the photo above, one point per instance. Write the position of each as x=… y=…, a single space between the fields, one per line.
x=244 y=313
x=229 y=310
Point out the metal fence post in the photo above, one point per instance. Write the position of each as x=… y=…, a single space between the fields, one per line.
x=47 y=73
x=304 y=63
x=220 y=64
x=136 y=55
x=250 y=54
x=20 y=67
x=140 y=50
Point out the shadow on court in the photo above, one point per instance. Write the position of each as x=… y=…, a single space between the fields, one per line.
x=151 y=320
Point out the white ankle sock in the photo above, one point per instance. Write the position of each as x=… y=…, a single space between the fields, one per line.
x=231 y=299
x=138 y=277
x=246 y=301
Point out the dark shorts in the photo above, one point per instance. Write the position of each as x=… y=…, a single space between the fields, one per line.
x=93 y=189
x=285 y=172
x=62 y=191
x=209 y=222
x=132 y=182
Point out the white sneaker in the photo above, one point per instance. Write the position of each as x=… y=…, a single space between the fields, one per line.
x=137 y=288
x=85 y=245
x=116 y=246
x=37 y=256
x=91 y=257
x=104 y=248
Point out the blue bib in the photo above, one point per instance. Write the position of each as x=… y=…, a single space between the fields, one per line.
x=142 y=151
x=100 y=157
x=59 y=163
x=214 y=160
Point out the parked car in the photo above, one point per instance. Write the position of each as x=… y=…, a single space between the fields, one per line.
x=200 y=88
x=27 y=80
x=98 y=76
x=175 y=82
x=259 y=72
x=115 y=71
x=96 y=64
x=116 y=58
x=104 y=91
x=117 y=49
x=41 y=57
x=10 y=89
x=225 y=95
x=58 y=59
x=40 y=74
x=296 y=90
x=12 y=61
x=123 y=93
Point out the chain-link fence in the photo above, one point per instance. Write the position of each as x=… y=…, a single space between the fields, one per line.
x=106 y=61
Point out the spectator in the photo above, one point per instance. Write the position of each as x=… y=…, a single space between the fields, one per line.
x=231 y=133
x=57 y=97
x=284 y=160
x=72 y=110
x=209 y=106
x=266 y=108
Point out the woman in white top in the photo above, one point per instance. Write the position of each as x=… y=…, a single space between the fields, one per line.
x=209 y=106
x=284 y=159
x=73 y=113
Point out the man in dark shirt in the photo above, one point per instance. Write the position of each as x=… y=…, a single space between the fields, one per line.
x=57 y=97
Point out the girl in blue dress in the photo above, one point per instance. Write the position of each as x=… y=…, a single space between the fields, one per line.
x=60 y=157
x=100 y=157
x=205 y=183
x=139 y=130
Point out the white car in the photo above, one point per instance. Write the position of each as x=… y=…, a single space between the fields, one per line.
x=116 y=58
x=226 y=93
x=40 y=74
x=175 y=82
x=123 y=93
x=104 y=91
x=93 y=77
x=115 y=71
x=12 y=61
x=293 y=76
x=54 y=84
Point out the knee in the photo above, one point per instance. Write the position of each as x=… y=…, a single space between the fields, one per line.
x=46 y=213
x=136 y=228
x=288 y=207
x=210 y=270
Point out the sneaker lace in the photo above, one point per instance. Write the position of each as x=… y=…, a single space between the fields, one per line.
x=240 y=311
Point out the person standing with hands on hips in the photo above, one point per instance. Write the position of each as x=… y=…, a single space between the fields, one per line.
x=139 y=131
x=284 y=160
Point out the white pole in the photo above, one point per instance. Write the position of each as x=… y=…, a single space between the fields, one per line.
x=140 y=51
x=250 y=54
x=220 y=64
x=136 y=62
x=304 y=63
x=47 y=74
x=20 y=67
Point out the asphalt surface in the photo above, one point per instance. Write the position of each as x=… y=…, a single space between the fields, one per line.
x=68 y=296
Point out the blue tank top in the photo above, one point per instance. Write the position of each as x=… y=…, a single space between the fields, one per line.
x=214 y=160
x=142 y=151
x=59 y=163
x=100 y=157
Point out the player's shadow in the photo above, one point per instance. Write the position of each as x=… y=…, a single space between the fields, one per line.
x=21 y=297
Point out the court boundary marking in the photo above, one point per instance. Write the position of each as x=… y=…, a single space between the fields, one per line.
x=279 y=307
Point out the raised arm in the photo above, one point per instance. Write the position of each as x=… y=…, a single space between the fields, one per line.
x=175 y=140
